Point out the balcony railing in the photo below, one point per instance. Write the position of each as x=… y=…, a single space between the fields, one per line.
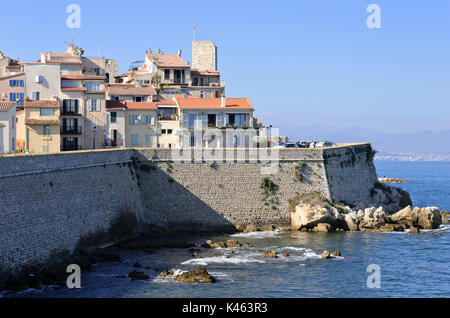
x=70 y=148
x=71 y=130
x=69 y=111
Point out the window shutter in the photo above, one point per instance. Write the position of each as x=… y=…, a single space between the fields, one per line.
x=219 y=120
x=21 y=83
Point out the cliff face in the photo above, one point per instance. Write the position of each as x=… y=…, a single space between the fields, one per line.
x=52 y=204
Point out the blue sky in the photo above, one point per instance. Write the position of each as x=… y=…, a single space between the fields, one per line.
x=301 y=63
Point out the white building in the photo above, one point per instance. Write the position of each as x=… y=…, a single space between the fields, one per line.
x=7 y=126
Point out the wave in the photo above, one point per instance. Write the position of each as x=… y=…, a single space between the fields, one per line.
x=258 y=234
x=229 y=256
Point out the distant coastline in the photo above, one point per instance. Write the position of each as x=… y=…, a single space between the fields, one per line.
x=412 y=157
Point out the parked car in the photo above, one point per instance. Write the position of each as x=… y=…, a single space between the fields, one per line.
x=285 y=145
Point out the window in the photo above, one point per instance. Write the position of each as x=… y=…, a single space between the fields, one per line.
x=135 y=120
x=93 y=86
x=14 y=97
x=134 y=140
x=149 y=120
x=13 y=122
x=163 y=131
x=47 y=112
x=167 y=114
x=45 y=149
x=97 y=72
x=212 y=120
x=94 y=105
x=236 y=120
x=149 y=140
x=166 y=74
x=195 y=81
x=113 y=117
x=195 y=121
x=169 y=131
x=36 y=95
x=138 y=99
x=15 y=83
x=70 y=106
x=46 y=130
x=202 y=94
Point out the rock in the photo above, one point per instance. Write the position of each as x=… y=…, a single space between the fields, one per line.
x=423 y=218
x=269 y=254
x=168 y=273
x=323 y=227
x=326 y=254
x=392 y=180
x=137 y=265
x=251 y=228
x=314 y=209
x=135 y=275
x=268 y=228
x=199 y=275
x=351 y=220
x=392 y=199
x=414 y=230
x=195 y=255
x=16 y=284
x=54 y=273
x=286 y=255
x=336 y=254
x=247 y=245
x=233 y=243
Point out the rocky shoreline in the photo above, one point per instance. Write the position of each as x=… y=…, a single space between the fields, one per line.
x=392 y=180
x=316 y=213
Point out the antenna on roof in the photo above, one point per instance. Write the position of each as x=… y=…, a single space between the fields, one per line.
x=194 y=32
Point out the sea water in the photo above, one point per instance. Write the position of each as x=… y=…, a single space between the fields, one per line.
x=411 y=265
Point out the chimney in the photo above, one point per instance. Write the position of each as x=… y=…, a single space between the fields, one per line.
x=159 y=51
x=179 y=53
x=223 y=101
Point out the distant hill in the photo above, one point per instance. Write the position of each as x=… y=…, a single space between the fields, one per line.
x=419 y=144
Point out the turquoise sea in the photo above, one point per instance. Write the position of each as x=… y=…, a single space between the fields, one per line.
x=411 y=265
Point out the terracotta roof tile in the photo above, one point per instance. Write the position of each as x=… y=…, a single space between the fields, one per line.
x=32 y=121
x=6 y=106
x=214 y=103
x=120 y=105
x=41 y=104
x=127 y=90
x=166 y=60
x=205 y=72
x=81 y=77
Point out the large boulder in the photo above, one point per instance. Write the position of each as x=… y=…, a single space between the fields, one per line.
x=422 y=218
x=197 y=275
x=392 y=199
x=314 y=209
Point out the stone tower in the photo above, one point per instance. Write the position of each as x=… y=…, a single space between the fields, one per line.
x=204 y=55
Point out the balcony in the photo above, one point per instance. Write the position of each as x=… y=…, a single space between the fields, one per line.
x=69 y=112
x=70 y=148
x=71 y=130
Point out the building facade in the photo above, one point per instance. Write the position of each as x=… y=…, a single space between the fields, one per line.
x=8 y=125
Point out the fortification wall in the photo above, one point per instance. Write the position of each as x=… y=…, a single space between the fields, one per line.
x=52 y=204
